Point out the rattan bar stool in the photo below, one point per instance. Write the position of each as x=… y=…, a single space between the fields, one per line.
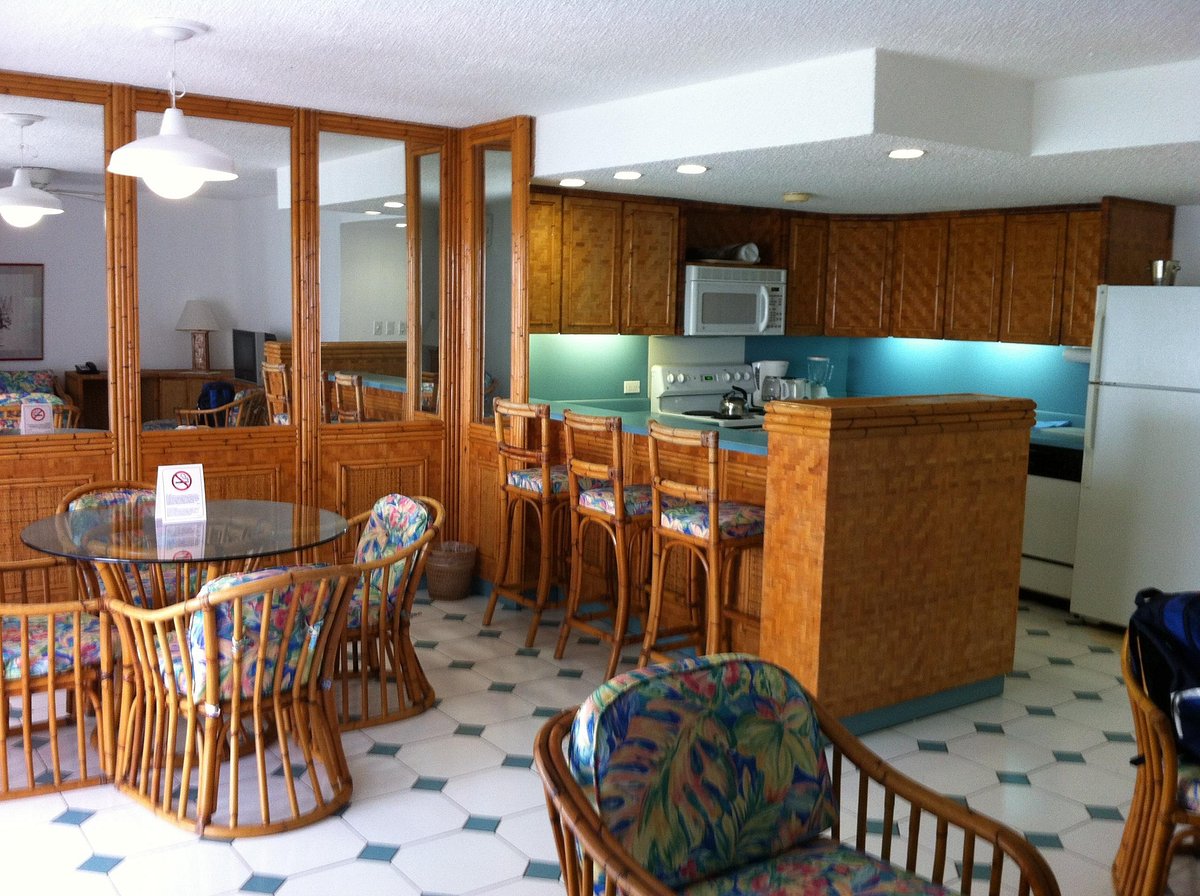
x=601 y=502
x=529 y=484
x=677 y=456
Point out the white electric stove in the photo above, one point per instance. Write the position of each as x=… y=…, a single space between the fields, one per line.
x=694 y=391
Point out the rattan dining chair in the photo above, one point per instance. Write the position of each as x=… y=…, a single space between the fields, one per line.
x=227 y=725
x=277 y=384
x=377 y=674
x=348 y=402
x=50 y=686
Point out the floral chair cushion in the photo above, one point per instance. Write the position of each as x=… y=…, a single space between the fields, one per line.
x=637 y=499
x=820 y=866
x=736 y=520
x=250 y=645
x=703 y=766
x=1188 y=790
x=530 y=480
x=282 y=419
x=27 y=381
x=87 y=510
x=39 y=644
x=396 y=521
x=13 y=401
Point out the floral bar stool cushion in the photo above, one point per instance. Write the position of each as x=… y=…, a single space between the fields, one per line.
x=736 y=520
x=396 y=521
x=530 y=479
x=250 y=645
x=637 y=500
x=1188 y=789
x=39 y=645
x=704 y=766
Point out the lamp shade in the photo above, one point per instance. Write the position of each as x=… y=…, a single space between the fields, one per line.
x=171 y=163
x=23 y=205
x=198 y=315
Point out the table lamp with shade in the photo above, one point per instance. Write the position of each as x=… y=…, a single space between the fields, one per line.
x=198 y=318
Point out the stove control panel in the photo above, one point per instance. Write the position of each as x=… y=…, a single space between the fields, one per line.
x=699 y=379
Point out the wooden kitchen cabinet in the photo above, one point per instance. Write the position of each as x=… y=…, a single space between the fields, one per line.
x=1035 y=247
x=808 y=244
x=591 y=257
x=545 y=262
x=1081 y=276
x=649 y=272
x=859 y=282
x=919 y=277
x=974 y=269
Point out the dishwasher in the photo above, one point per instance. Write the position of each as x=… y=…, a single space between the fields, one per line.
x=1051 y=517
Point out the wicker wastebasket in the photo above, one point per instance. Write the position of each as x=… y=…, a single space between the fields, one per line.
x=449 y=569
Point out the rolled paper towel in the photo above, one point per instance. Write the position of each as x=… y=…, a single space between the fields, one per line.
x=744 y=252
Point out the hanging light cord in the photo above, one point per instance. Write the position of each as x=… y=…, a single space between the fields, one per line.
x=175 y=86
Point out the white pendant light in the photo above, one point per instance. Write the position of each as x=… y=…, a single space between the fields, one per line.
x=172 y=164
x=23 y=204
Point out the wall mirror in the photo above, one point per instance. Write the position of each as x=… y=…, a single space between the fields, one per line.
x=497 y=289
x=63 y=156
x=221 y=258
x=427 y=316
x=366 y=272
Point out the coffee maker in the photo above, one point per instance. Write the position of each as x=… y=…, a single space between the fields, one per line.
x=763 y=369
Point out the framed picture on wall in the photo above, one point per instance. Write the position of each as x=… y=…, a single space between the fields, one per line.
x=21 y=312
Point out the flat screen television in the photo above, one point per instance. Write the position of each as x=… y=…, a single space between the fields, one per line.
x=248 y=354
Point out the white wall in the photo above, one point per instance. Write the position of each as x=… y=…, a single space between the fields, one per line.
x=374 y=280
x=71 y=248
x=1187 y=244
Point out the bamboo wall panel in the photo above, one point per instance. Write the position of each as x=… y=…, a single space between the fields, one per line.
x=390 y=358
x=893 y=544
x=480 y=520
x=256 y=463
x=360 y=464
x=1080 y=278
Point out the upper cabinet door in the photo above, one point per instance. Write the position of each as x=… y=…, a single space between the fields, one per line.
x=651 y=270
x=591 y=265
x=1080 y=278
x=919 y=278
x=545 y=262
x=858 y=299
x=1034 y=249
x=807 y=245
x=973 y=277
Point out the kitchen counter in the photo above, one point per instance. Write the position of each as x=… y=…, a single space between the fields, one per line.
x=635 y=416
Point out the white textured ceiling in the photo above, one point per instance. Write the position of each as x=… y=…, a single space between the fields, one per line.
x=458 y=63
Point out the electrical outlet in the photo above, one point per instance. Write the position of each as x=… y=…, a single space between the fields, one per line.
x=633 y=387
x=377 y=329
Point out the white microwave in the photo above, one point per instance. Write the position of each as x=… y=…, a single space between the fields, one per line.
x=733 y=301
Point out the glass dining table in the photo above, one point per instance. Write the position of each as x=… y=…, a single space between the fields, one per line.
x=123 y=550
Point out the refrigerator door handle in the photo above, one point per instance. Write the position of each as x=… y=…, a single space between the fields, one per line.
x=1089 y=434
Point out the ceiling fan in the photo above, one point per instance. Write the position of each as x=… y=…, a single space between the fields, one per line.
x=40 y=179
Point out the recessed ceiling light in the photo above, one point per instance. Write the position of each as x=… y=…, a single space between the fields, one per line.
x=372 y=211
x=906 y=153
x=402 y=224
x=690 y=168
x=393 y=203
x=572 y=182
x=627 y=175
x=797 y=197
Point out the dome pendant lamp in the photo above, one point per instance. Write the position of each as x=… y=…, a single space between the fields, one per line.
x=23 y=204
x=172 y=164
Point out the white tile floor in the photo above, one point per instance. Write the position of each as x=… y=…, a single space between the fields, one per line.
x=448 y=803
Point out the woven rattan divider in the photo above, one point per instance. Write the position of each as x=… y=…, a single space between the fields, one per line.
x=893 y=544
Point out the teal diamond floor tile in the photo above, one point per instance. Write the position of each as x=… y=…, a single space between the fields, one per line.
x=545 y=712
x=1044 y=841
x=570 y=673
x=489 y=633
x=1040 y=710
x=1061 y=661
x=989 y=728
x=378 y=852
x=502 y=687
x=1013 y=778
x=1100 y=648
x=875 y=826
x=588 y=639
x=1118 y=737
x=511 y=761
x=1068 y=756
x=101 y=864
x=1037 y=632
x=469 y=730
x=424 y=783
x=543 y=870
x=73 y=816
x=1017 y=673
x=298 y=770
x=263 y=883
x=455 y=617
x=1105 y=813
x=528 y=651
x=384 y=749
x=462 y=664
x=1086 y=695
x=933 y=746
x=481 y=823
x=426 y=645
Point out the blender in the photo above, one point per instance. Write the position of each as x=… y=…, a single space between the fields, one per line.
x=819 y=371
x=762 y=370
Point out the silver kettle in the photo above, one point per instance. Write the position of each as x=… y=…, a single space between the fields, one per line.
x=732 y=404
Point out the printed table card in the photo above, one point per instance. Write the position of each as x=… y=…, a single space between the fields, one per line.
x=180 y=542
x=36 y=417
x=179 y=497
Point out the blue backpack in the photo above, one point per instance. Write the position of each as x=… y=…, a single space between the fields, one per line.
x=1164 y=648
x=214 y=395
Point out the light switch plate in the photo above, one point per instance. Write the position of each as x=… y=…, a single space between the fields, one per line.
x=377 y=329
x=633 y=387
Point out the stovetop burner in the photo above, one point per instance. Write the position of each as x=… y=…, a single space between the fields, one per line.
x=694 y=392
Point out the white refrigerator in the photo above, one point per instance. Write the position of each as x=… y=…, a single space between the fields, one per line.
x=1139 y=504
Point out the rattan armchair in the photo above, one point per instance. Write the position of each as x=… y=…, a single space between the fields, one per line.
x=50 y=681
x=1165 y=812
x=227 y=725
x=721 y=775
x=277 y=384
x=248 y=408
x=377 y=674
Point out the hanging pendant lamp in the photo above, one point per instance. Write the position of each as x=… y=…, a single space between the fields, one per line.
x=172 y=164
x=23 y=204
